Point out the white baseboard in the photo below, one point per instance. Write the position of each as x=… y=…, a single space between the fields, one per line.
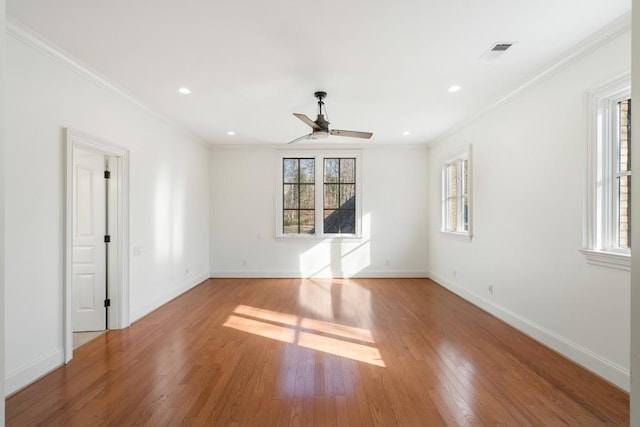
x=33 y=371
x=610 y=371
x=36 y=369
x=165 y=298
x=299 y=275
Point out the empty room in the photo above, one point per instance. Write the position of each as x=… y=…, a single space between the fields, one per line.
x=411 y=213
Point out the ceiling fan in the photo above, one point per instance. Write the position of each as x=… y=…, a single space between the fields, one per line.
x=320 y=127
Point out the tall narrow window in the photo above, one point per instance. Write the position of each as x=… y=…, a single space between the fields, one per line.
x=623 y=174
x=607 y=230
x=298 y=196
x=339 y=195
x=456 y=196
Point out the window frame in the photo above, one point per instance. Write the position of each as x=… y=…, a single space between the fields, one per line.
x=318 y=155
x=600 y=229
x=457 y=157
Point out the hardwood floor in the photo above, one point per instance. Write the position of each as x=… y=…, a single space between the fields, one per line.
x=279 y=352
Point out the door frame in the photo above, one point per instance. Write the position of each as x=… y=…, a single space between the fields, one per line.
x=119 y=285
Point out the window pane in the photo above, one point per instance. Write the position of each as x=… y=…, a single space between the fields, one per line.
x=307 y=170
x=290 y=170
x=624 y=148
x=307 y=222
x=307 y=196
x=331 y=170
x=465 y=175
x=290 y=196
x=465 y=215
x=290 y=222
x=331 y=196
x=624 y=212
x=331 y=221
x=347 y=196
x=348 y=170
x=347 y=221
x=452 y=171
x=452 y=216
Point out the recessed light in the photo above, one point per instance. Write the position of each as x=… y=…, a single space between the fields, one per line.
x=184 y=90
x=454 y=88
x=406 y=133
x=231 y=133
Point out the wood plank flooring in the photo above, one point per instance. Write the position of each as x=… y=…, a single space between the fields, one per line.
x=280 y=352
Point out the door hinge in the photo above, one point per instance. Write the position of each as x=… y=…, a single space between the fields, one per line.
x=107 y=239
x=107 y=175
x=107 y=302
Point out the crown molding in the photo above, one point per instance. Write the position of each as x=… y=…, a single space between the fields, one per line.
x=37 y=42
x=605 y=35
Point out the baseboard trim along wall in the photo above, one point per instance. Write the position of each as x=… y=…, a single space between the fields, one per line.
x=241 y=274
x=33 y=371
x=36 y=369
x=608 y=370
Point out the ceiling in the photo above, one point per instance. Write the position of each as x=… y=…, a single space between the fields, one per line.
x=386 y=65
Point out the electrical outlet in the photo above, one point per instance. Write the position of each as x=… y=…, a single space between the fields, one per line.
x=491 y=289
x=387 y=263
x=244 y=262
x=455 y=274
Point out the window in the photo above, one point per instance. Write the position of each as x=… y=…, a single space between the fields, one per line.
x=622 y=181
x=329 y=209
x=298 y=196
x=456 y=212
x=339 y=195
x=607 y=231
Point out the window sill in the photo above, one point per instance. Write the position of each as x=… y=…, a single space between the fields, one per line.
x=317 y=239
x=462 y=237
x=607 y=259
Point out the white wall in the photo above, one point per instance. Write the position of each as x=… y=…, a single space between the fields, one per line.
x=2 y=138
x=528 y=180
x=635 y=219
x=168 y=202
x=243 y=209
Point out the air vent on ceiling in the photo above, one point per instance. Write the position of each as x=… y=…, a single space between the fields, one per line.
x=497 y=50
x=501 y=47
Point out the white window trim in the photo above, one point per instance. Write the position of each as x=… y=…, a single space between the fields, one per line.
x=461 y=154
x=318 y=155
x=597 y=222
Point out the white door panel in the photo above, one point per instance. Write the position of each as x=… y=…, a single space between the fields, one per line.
x=89 y=251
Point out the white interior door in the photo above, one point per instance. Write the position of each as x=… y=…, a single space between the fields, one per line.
x=89 y=248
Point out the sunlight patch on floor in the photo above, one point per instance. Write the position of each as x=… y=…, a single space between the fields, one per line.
x=314 y=334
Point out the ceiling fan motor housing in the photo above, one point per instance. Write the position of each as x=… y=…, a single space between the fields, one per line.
x=323 y=132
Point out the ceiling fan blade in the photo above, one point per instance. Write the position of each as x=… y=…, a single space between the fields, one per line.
x=307 y=120
x=351 y=133
x=300 y=139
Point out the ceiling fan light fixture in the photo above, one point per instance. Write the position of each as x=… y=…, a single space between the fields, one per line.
x=319 y=134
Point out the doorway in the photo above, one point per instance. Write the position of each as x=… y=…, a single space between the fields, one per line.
x=96 y=237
